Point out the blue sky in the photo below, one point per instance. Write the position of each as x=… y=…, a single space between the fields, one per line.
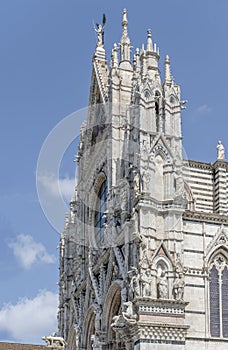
x=45 y=62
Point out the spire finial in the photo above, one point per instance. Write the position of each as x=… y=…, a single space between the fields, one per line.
x=149 y=46
x=124 y=18
x=168 y=77
x=125 y=41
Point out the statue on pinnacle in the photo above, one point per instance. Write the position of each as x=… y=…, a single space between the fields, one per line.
x=99 y=29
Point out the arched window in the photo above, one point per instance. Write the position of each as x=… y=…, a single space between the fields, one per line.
x=218 y=289
x=113 y=308
x=157 y=107
x=100 y=217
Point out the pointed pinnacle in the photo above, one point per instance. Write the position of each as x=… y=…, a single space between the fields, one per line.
x=149 y=46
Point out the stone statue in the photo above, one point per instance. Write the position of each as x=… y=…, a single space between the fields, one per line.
x=77 y=329
x=145 y=283
x=115 y=271
x=143 y=252
x=97 y=312
x=178 y=287
x=179 y=266
x=136 y=182
x=128 y=314
x=146 y=180
x=99 y=29
x=145 y=149
x=221 y=151
x=116 y=322
x=179 y=183
x=54 y=342
x=96 y=343
x=124 y=195
x=144 y=262
x=126 y=317
x=134 y=282
x=162 y=286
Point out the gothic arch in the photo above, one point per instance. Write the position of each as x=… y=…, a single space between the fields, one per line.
x=157 y=93
x=93 y=199
x=146 y=90
x=162 y=253
x=147 y=94
x=217 y=292
x=173 y=96
x=220 y=250
x=89 y=328
x=101 y=177
x=112 y=307
x=163 y=266
x=157 y=105
x=218 y=243
x=172 y=99
x=162 y=263
x=160 y=149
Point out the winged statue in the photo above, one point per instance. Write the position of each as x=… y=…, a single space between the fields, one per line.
x=99 y=29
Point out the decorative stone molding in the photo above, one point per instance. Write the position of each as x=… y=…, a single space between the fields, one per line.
x=207 y=217
x=163 y=333
x=150 y=306
x=199 y=165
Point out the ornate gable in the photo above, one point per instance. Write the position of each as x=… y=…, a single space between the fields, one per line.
x=161 y=147
x=220 y=240
x=162 y=253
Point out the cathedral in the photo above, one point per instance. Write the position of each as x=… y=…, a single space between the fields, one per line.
x=144 y=252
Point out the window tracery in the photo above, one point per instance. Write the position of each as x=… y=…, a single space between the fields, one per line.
x=218 y=287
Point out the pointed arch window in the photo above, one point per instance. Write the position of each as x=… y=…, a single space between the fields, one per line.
x=218 y=290
x=100 y=217
x=157 y=109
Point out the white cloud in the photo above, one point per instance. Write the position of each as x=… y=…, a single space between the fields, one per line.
x=204 y=109
x=29 y=252
x=30 y=319
x=64 y=186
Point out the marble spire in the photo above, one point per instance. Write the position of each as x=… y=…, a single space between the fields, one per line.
x=125 y=40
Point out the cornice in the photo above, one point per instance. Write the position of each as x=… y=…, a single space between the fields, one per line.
x=220 y=164
x=204 y=165
x=209 y=217
x=199 y=165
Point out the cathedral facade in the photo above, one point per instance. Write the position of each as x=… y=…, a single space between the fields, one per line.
x=144 y=252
